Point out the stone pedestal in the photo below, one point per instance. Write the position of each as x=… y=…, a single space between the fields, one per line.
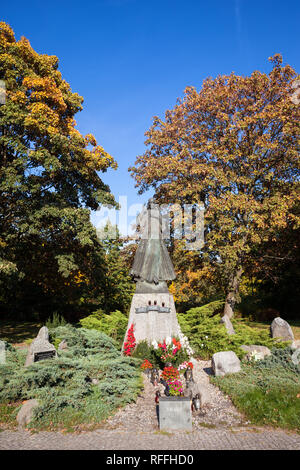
x=175 y=414
x=153 y=313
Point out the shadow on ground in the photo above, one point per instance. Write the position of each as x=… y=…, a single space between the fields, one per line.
x=18 y=331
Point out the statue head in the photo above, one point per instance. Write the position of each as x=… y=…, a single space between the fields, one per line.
x=150 y=202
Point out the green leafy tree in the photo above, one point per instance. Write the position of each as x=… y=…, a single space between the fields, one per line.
x=48 y=183
x=233 y=146
x=117 y=287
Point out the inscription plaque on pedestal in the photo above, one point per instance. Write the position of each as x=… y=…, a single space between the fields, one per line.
x=40 y=356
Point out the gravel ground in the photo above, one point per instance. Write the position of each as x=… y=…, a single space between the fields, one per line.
x=217 y=426
x=219 y=412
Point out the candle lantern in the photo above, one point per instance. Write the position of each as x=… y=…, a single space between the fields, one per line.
x=189 y=375
x=196 y=402
x=167 y=388
x=154 y=376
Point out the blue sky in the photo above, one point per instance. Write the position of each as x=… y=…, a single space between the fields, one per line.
x=131 y=59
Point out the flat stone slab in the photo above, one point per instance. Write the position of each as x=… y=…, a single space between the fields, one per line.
x=175 y=414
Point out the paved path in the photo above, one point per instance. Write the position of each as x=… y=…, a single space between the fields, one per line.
x=206 y=439
x=218 y=426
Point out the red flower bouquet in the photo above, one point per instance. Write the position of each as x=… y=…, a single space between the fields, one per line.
x=146 y=365
x=170 y=373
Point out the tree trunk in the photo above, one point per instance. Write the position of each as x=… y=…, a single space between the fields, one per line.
x=233 y=289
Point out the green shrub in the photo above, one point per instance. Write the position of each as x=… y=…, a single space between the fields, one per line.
x=207 y=335
x=144 y=351
x=55 y=321
x=64 y=386
x=114 y=324
x=267 y=391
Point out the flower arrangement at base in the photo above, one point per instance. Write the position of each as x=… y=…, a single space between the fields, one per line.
x=146 y=365
x=168 y=349
x=183 y=367
x=170 y=373
x=130 y=344
x=175 y=387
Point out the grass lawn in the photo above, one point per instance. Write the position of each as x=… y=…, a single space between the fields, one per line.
x=266 y=391
x=295 y=325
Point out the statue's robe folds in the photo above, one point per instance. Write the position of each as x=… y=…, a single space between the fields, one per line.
x=152 y=262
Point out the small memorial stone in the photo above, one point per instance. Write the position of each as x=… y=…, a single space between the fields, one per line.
x=281 y=329
x=40 y=348
x=228 y=325
x=175 y=414
x=63 y=345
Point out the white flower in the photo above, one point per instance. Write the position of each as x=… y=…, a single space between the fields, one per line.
x=168 y=340
x=154 y=344
x=185 y=343
x=256 y=356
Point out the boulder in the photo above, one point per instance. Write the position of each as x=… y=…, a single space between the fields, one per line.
x=295 y=344
x=25 y=414
x=225 y=362
x=281 y=329
x=228 y=325
x=40 y=345
x=63 y=345
x=260 y=351
x=296 y=357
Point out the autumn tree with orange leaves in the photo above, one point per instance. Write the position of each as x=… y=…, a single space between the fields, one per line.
x=233 y=146
x=49 y=181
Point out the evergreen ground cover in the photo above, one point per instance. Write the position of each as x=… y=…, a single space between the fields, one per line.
x=207 y=335
x=67 y=397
